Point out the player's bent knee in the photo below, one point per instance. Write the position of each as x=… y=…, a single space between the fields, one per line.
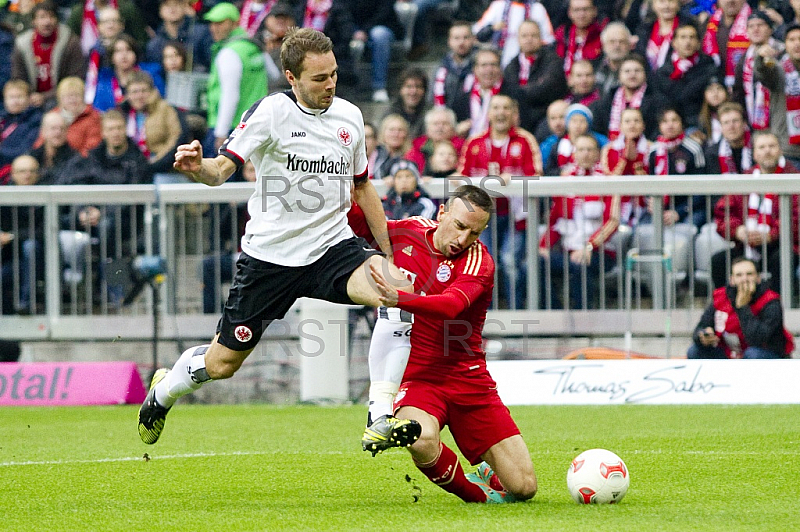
x=527 y=488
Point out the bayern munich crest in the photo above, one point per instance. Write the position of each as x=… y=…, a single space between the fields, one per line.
x=243 y=333
x=443 y=273
x=344 y=136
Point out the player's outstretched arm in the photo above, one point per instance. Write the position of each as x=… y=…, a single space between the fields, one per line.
x=212 y=172
x=366 y=196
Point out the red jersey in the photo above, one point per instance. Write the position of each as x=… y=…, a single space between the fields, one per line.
x=448 y=322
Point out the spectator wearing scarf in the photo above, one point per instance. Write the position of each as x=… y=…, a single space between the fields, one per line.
x=684 y=77
x=747 y=88
x=779 y=74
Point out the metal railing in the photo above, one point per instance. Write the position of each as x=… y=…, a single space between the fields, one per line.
x=180 y=222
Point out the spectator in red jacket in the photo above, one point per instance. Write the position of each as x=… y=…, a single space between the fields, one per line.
x=744 y=320
x=751 y=222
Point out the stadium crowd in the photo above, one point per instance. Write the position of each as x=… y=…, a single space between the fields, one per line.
x=584 y=87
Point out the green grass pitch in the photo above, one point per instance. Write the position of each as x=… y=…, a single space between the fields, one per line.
x=258 y=467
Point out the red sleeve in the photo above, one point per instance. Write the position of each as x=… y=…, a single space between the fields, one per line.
x=444 y=306
x=555 y=213
x=734 y=212
x=450 y=303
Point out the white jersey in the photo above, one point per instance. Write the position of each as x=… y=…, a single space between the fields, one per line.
x=305 y=161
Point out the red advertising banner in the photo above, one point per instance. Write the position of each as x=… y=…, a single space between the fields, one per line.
x=70 y=383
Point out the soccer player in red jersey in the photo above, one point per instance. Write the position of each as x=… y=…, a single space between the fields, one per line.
x=446 y=381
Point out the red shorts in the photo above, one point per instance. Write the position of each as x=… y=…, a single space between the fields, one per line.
x=476 y=426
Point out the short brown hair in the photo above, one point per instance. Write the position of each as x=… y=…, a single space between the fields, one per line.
x=140 y=76
x=728 y=107
x=113 y=114
x=299 y=42
x=474 y=195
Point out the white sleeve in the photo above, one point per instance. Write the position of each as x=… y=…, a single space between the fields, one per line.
x=229 y=67
x=360 y=160
x=539 y=14
x=253 y=131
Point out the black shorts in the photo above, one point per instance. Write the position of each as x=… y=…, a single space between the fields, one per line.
x=262 y=291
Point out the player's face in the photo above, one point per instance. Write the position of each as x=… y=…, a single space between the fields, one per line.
x=316 y=85
x=460 y=225
x=670 y=126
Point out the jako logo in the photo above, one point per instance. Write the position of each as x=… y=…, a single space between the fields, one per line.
x=298 y=134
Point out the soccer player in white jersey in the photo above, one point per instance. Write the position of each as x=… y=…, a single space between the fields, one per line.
x=308 y=148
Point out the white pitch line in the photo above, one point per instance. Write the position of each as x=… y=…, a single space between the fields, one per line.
x=156 y=457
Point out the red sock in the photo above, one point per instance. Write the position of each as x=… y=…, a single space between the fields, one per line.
x=446 y=472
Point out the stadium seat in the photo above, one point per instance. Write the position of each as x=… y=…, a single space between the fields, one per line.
x=407 y=15
x=706 y=244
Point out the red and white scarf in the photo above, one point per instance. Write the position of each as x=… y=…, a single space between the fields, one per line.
x=658 y=45
x=737 y=41
x=726 y=163
x=586 y=99
x=316 y=15
x=792 y=91
x=135 y=130
x=619 y=104
x=759 y=210
x=89 y=32
x=663 y=148
x=251 y=18
x=525 y=64
x=680 y=65
x=500 y=37
x=92 y=74
x=479 y=107
x=580 y=171
x=587 y=47
x=756 y=95
x=42 y=53
x=565 y=151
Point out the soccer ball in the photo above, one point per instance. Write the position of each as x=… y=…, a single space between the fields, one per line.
x=598 y=476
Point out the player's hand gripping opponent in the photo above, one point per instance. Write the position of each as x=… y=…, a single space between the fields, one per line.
x=388 y=293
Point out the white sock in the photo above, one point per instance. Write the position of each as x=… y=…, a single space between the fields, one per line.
x=388 y=356
x=187 y=375
x=381 y=398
